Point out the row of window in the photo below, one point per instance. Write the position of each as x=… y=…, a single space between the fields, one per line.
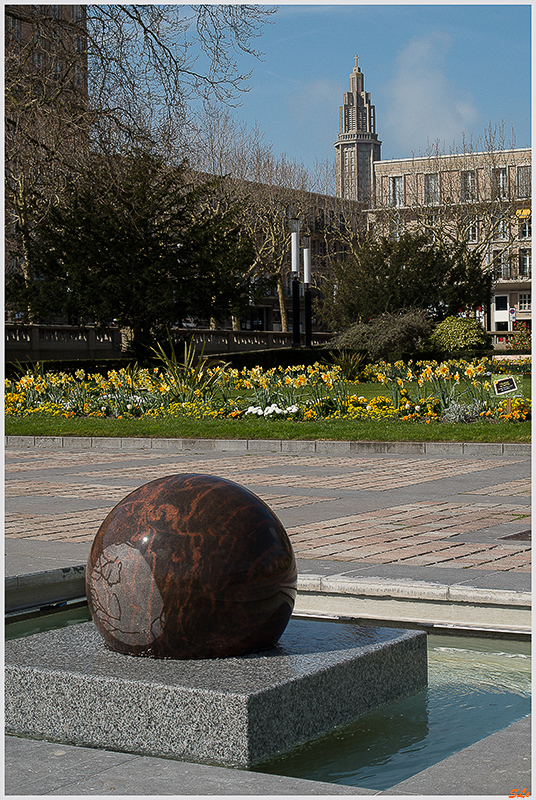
x=506 y=268
x=524 y=302
x=501 y=230
x=468 y=187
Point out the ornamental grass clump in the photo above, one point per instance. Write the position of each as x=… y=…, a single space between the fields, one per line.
x=186 y=380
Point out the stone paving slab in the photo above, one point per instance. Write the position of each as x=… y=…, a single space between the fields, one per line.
x=40 y=767
x=377 y=509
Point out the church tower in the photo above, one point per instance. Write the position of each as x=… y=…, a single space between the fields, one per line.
x=357 y=146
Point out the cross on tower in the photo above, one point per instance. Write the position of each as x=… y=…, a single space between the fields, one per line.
x=356 y=57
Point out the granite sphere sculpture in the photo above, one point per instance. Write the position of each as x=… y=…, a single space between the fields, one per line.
x=191 y=566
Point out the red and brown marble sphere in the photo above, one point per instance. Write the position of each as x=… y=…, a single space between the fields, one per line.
x=191 y=566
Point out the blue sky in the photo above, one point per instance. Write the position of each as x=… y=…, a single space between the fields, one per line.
x=433 y=71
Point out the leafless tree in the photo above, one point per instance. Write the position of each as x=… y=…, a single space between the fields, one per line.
x=271 y=191
x=81 y=79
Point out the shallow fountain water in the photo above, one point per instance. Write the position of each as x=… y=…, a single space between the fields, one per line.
x=476 y=687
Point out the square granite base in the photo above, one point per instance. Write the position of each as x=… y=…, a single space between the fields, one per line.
x=64 y=685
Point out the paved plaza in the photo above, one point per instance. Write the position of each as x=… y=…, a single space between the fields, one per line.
x=400 y=510
x=458 y=519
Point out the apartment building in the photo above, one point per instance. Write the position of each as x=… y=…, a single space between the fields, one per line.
x=481 y=198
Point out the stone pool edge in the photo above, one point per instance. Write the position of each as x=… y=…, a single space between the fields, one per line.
x=405 y=601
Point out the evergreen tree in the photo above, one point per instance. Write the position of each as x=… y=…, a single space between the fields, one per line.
x=132 y=241
x=386 y=276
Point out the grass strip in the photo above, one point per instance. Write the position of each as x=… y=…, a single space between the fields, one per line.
x=255 y=428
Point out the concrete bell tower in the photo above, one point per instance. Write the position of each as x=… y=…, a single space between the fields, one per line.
x=357 y=146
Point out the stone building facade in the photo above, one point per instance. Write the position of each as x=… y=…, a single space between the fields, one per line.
x=482 y=198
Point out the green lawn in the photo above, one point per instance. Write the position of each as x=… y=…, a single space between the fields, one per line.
x=255 y=428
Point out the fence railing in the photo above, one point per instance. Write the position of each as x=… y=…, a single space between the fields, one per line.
x=50 y=342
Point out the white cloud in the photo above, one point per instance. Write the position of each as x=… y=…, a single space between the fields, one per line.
x=423 y=102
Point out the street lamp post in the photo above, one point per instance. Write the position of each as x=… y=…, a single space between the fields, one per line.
x=295 y=268
x=307 y=289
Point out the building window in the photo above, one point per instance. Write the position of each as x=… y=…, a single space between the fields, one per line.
x=500 y=228
x=350 y=118
x=525 y=302
x=80 y=44
x=38 y=59
x=499 y=184
x=431 y=189
x=397 y=229
x=501 y=270
x=396 y=191
x=14 y=26
x=525 y=228
x=501 y=302
x=525 y=263
x=523 y=181
x=472 y=232
x=468 y=186
x=430 y=227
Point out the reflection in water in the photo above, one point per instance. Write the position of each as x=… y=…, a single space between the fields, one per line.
x=476 y=687
x=316 y=636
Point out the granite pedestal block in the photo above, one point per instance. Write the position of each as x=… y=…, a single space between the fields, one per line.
x=65 y=686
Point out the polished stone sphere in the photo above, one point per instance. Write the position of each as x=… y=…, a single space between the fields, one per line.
x=191 y=566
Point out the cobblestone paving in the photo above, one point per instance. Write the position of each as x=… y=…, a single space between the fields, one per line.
x=422 y=532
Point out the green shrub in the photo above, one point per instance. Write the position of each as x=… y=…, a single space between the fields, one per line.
x=457 y=333
x=387 y=336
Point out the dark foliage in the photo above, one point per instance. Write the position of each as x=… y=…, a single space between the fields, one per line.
x=388 y=335
x=385 y=277
x=134 y=243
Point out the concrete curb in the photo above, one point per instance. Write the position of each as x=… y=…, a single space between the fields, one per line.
x=319 y=446
x=413 y=602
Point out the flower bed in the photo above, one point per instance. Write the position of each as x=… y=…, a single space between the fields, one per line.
x=424 y=391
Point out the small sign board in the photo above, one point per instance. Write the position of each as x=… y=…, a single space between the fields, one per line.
x=504 y=384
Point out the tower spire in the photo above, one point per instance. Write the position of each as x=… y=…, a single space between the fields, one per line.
x=357 y=146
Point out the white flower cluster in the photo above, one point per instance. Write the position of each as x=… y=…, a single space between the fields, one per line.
x=273 y=409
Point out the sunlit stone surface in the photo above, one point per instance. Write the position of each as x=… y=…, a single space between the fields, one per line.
x=67 y=686
x=188 y=567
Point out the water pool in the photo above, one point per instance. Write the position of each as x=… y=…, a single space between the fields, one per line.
x=476 y=687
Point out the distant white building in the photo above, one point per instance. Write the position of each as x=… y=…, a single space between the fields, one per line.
x=482 y=198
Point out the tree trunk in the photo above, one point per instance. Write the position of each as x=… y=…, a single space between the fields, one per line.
x=235 y=322
x=282 y=306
